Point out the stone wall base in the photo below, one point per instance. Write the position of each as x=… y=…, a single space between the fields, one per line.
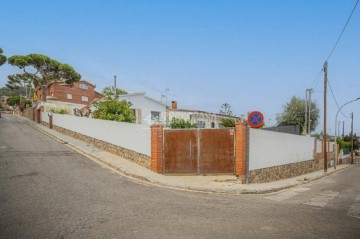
x=136 y=157
x=285 y=171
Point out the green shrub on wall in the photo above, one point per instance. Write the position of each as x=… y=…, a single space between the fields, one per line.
x=343 y=144
x=59 y=111
x=114 y=110
x=181 y=124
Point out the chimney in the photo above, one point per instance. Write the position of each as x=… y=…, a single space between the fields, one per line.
x=173 y=105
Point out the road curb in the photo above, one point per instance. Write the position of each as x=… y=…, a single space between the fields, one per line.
x=155 y=183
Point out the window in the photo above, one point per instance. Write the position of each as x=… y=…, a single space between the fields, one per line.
x=69 y=96
x=84 y=98
x=212 y=125
x=155 y=116
x=201 y=124
x=83 y=86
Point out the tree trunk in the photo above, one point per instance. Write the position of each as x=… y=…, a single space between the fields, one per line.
x=43 y=92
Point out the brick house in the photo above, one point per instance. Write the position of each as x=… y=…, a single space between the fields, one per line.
x=77 y=93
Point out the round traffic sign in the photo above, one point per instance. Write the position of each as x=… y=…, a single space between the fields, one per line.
x=256 y=119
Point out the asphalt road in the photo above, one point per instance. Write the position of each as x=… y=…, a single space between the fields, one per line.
x=47 y=190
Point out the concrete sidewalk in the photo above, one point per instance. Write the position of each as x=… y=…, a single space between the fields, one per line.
x=215 y=184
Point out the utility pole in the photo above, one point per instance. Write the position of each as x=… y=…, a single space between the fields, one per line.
x=309 y=121
x=115 y=96
x=352 y=138
x=306 y=98
x=343 y=130
x=325 y=92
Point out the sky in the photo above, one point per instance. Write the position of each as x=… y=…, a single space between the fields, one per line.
x=254 y=55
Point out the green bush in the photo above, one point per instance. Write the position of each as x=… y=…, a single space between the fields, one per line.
x=228 y=123
x=59 y=111
x=343 y=144
x=114 y=110
x=13 y=100
x=26 y=102
x=181 y=124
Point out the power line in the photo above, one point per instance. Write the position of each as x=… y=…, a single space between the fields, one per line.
x=316 y=80
x=342 y=32
x=332 y=93
x=340 y=89
x=328 y=82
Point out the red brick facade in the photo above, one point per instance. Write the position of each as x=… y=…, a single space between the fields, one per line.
x=241 y=149
x=81 y=92
x=157 y=148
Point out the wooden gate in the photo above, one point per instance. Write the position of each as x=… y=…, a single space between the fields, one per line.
x=199 y=151
x=180 y=151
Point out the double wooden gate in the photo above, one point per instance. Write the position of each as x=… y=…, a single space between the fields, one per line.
x=199 y=151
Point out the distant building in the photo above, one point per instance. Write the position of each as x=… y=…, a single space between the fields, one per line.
x=146 y=109
x=202 y=119
x=75 y=95
x=81 y=92
x=285 y=128
x=149 y=111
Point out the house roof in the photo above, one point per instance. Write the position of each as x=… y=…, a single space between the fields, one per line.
x=180 y=110
x=205 y=112
x=63 y=83
x=88 y=83
x=142 y=94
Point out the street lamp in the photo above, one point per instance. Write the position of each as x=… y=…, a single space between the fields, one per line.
x=335 y=157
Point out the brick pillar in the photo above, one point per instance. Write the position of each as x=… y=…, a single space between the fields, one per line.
x=157 y=148
x=241 y=150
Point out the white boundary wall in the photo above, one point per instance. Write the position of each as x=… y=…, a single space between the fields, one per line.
x=268 y=149
x=127 y=135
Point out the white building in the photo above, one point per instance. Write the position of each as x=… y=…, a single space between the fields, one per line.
x=149 y=111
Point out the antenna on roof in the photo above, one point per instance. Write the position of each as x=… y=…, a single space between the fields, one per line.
x=167 y=92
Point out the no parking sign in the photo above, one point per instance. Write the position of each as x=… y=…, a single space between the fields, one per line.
x=256 y=119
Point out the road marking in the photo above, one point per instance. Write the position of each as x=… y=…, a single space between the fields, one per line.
x=322 y=199
x=282 y=196
x=287 y=194
x=354 y=210
x=300 y=190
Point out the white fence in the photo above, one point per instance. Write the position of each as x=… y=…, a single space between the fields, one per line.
x=268 y=149
x=329 y=146
x=127 y=135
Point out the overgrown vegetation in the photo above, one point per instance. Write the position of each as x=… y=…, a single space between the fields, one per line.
x=181 y=124
x=13 y=100
x=343 y=144
x=40 y=70
x=114 y=110
x=294 y=113
x=59 y=111
x=228 y=123
x=225 y=109
x=25 y=103
x=2 y=57
x=111 y=93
